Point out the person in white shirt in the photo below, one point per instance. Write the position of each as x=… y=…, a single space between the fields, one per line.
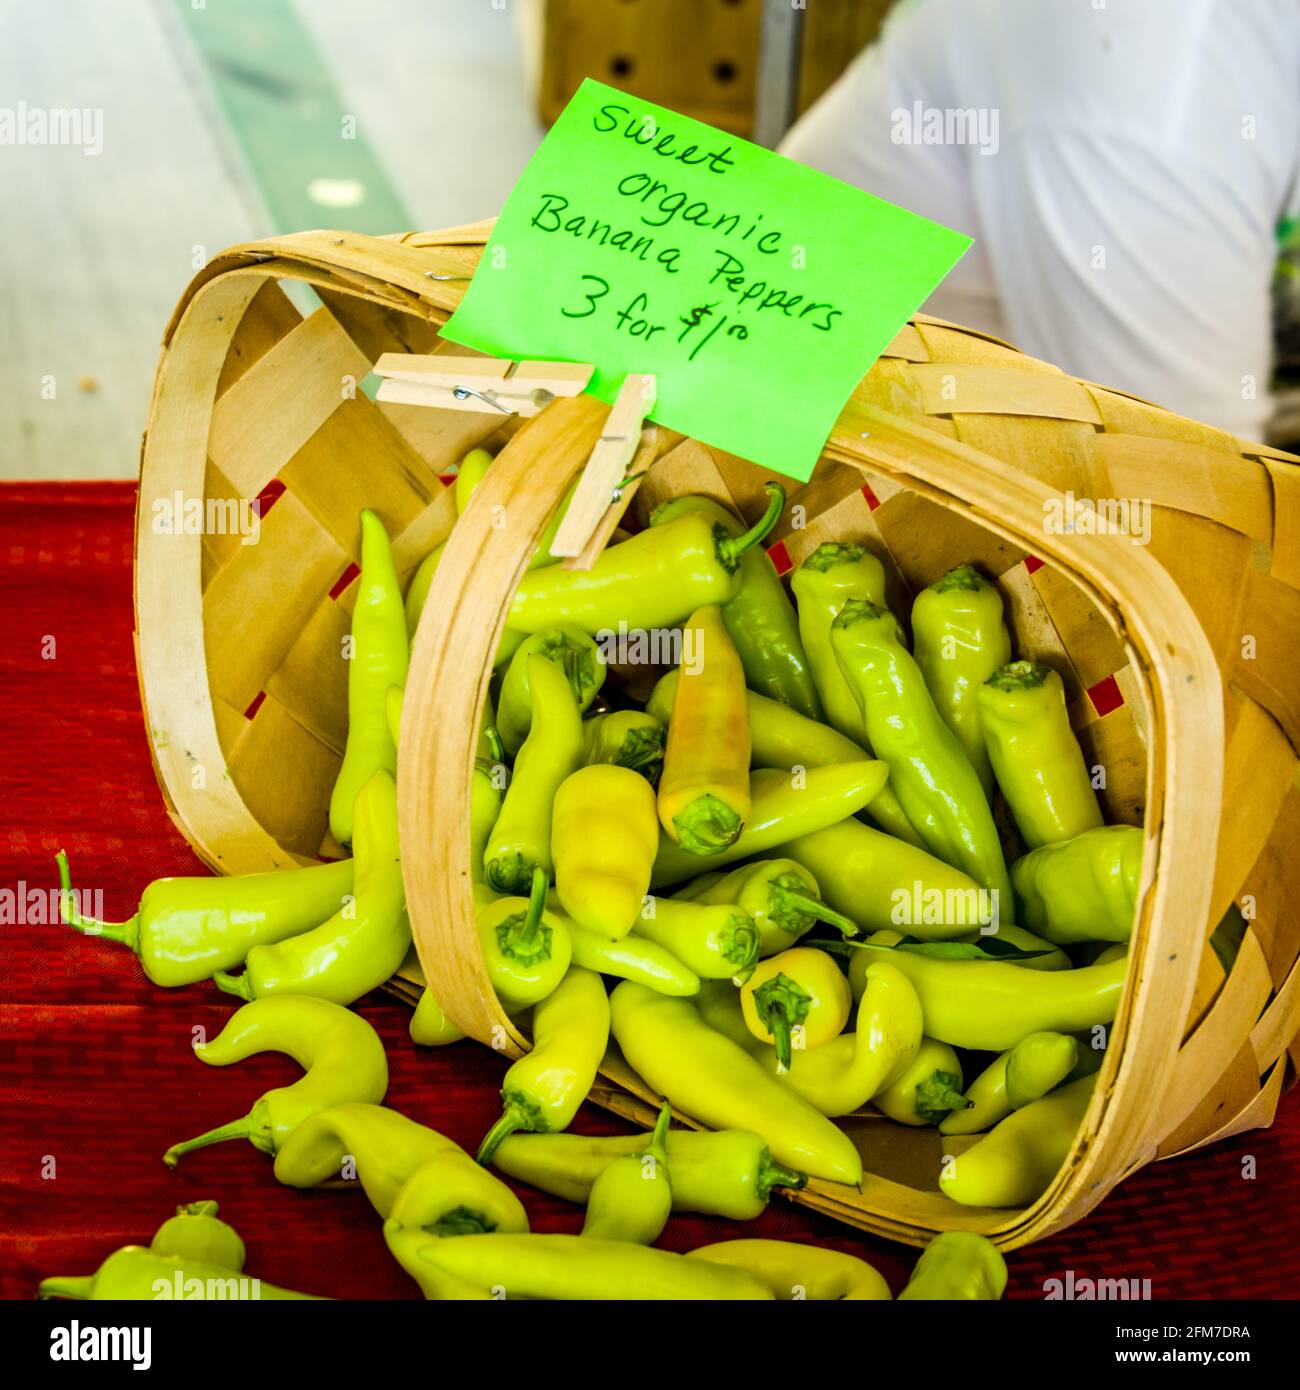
x=1123 y=166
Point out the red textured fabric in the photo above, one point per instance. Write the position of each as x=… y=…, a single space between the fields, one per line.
x=96 y=1065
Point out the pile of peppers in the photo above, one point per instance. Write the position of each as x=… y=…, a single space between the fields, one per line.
x=816 y=868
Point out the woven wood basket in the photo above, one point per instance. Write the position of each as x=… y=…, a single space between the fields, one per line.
x=1179 y=656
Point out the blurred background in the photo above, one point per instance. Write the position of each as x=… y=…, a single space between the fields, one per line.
x=213 y=122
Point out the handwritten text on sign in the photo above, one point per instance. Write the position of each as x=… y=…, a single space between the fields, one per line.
x=758 y=291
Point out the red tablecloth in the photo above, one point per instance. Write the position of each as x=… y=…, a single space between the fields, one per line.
x=98 y=1074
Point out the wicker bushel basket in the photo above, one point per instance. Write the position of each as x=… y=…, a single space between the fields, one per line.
x=1180 y=655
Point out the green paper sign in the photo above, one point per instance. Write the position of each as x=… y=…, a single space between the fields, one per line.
x=758 y=291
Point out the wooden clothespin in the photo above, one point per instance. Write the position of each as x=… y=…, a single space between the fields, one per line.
x=490 y=385
x=606 y=476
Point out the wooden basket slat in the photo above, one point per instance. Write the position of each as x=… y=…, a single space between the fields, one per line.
x=1257 y=1113
x=271 y=317
x=273 y=410
x=218 y=546
x=932 y=463
x=274 y=741
x=298 y=561
x=324 y=476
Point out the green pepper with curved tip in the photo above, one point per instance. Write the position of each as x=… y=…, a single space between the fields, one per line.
x=360 y=946
x=781 y=737
x=761 y=619
x=957 y=1265
x=429 y=1026
x=1037 y=1064
x=927 y=1089
x=186 y=929
x=564 y=646
x=707 y=1076
x=632 y=1198
x=544 y=1088
x=574 y=1267
x=715 y=940
x=796 y=1271
x=196 y=1232
x=526 y=949
x=1084 y=888
x=653 y=580
x=626 y=738
x=727 y=1172
x=451 y=1195
x=378 y=1147
x=632 y=957
x=417 y=591
x=380 y=653
x=989 y=1006
x=1015 y=1162
x=1036 y=758
x=780 y=895
x=879 y=882
x=137 y=1274
x=469 y=474
x=928 y=768
x=833 y=574
x=959 y=639
x=341 y=1052
x=782 y=805
x=842 y=1075
x=521 y=839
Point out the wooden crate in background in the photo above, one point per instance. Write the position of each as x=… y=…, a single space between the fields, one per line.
x=699 y=57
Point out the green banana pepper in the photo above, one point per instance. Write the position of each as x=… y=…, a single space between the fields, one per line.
x=360 y=946
x=380 y=653
x=1014 y=1164
x=1084 y=888
x=417 y=591
x=521 y=839
x=783 y=738
x=955 y=1266
x=197 y=1233
x=631 y=958
x=568 y=648
x=879 y=882
x=783 y=806
x=1037 y=1064
x=430 y=1027
x=959 y=640
x=716 y=941
x=780 y=895
x=378 y=1147
x=451 y=1195
x=186 y=929
x=653 y=580
x=1036 y=758
x=545 y=1087
x=575 y=1267
x=340 y=1051
x=760 y=619
x=137 y=1274
x=928 y=768
x=832 y=575
x=800 y=1272
x=626 y=738
x=526 y=949
x=705 y=1075
x=926 y=1090
x=726 y=1172
x=632 y=1197
x=990 y=1005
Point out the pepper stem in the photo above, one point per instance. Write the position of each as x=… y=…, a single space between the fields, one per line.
x=237 y=985
x=79 y=1286
x=773 y=1174
x=522 y=944
x=731 y=548
x=781 y=1003
x=658 y=1145
x=511 y=1120
x=814 y=907
x=236 y=1129
x=128 y=932
x=707 y=825
x=462 y=1221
